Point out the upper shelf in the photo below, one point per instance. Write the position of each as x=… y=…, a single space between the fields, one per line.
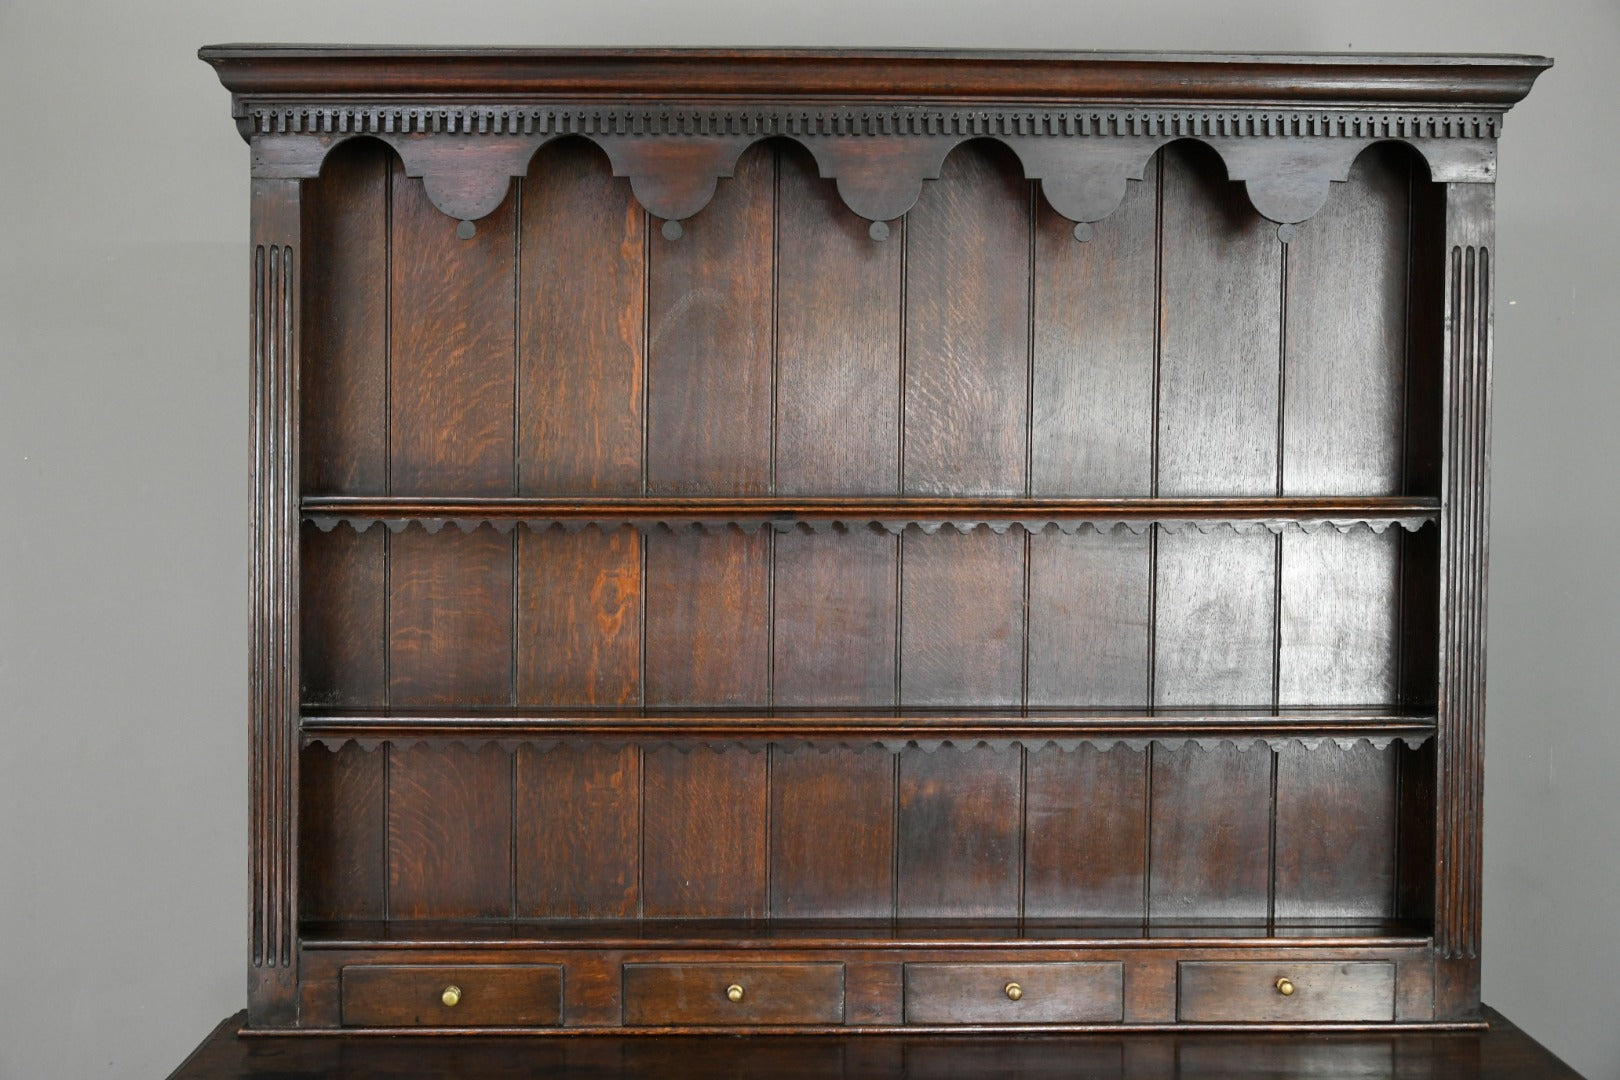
x=785 y=513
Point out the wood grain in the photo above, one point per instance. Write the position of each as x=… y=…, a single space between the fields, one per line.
x=967 y=327
x=452 y=356
x=709 y=359
x=1214 y=992
x=492 y=995
x=837 y=341
x=958 y=834
x=1215 y=619
x=579 y=617
x=450 y=617
x=707 y=618
x=704 y=837
x=582 y=280
x=1340 y=632
x=685 y=994
x=1085 y=833
x=1083 y=993
x=962 y=619
x=342 y=853
x=449 y=833
x=1210 y=844
x=578 y=832
x=835 y=618
x=832 y=835
x=1336 y=832
x=1089 y=618
x=340 y=612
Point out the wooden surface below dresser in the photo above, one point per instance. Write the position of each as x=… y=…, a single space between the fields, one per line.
x=1501 y=1053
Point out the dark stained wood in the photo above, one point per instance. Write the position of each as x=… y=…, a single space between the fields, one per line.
x=1348 y=279
x=962 y=618
x=491 y=995
x=657 y=995
x=1340 y=633
x=834 y=610
x=578 y=828
x=703 y=833
x=1337 y=993
x=449 y=833
x=579 y=617
x=343 y=369
x=452 y=362
x=832 y=833
x=1092 y=425
x=450 y=617
x=1084 y=993
x=1336 y=839
x=581 y=288
x=1088 y=618
x=342 y=843
x=837 y=341
x=1211 y=833
x=967 y=328
x=1214 y=618
x=341 y=613
x=1085 y=841
x=958 y=833
x=1220 y=334
x=709 y=342
x=708 y=635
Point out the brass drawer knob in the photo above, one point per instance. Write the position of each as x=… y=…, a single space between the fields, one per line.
x=734 y=992
x=451 y=996
x=1014 y=991
x=1285 y=987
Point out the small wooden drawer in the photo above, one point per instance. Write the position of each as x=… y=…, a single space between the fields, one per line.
x=1022 y=993
x=660 y=995
x=529 y=995
x=1254 y=991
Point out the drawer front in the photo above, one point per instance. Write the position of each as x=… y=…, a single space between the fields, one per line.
x=1252 y=991
x=660 y=995
x=529 y=995
x=1019 y=993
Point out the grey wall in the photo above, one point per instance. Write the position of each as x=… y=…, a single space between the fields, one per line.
x=123 y=455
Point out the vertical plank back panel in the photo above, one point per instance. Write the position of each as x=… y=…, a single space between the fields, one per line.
x=959 y=833
x=1346 y=348
x=832 y=836
x=343 y=368
x=582 y=272
x=1336 y=823
x=1088 y=619
x=578 y=810
x=1340 y=633
x=342 y=834
x=452 y=348
x=1210 y=848
x=450 y=617
x=579 y=617
x=838 y=341
x=705 y=836
x=709 y=360
x=1086 y=840
x=1215 y=618
x=449 y=833
x=967 y=327
x=1092 y=424
x=340 y=613
x=835 y=618
x=708 y=626
x=963 y=618
x=1220 y=317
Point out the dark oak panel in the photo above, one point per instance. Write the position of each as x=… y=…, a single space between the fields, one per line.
x=967 y=327
x=1233 y=992
x=1215 y=618
x=578 y=832
x=449 y=833
x=1033 y=993
x=450 y=617
x=452 y=355
x=341 y=614
x=1211 y=833
x=837 y=341
x=709 y=344
x=1336 y=832
x=962 y=620
x=708 y=631
x=1340 y=632
x=579 y=617
x=582 y=326
x=488 y=995
x=832 y=834
x=1092 y=424
x=835 y=618
x=957 y=834
x=704 y=836
x=342 y=856
x=343 y=369
x=1089 y=618
x=658 y=995
x=1085 y=843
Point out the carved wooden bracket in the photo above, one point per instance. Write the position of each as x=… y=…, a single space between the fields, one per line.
x=674 y=158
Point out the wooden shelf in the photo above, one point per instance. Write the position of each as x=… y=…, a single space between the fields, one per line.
x=894 y=729
x=929 y=513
